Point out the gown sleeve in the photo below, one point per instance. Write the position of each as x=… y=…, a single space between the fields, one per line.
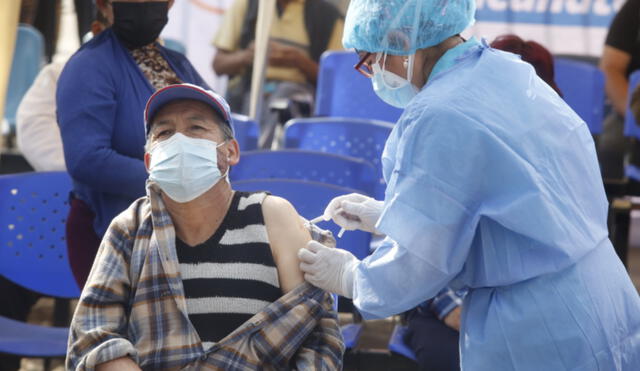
x=443 y=165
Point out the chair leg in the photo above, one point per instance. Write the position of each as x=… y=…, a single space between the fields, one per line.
x=47 y=364
x=620 y=218
x=61 y=316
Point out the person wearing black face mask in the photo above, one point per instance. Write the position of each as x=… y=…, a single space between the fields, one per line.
x=139 y=24
x=101 y=92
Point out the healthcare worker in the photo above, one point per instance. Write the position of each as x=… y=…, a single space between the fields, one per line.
x=492 y=185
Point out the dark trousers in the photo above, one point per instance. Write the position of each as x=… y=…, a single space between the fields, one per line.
x=612 y=147
x=16 y=305
x=434 y=343
x=82 y=240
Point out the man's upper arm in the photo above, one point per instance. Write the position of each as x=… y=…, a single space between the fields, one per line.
x=624 y=28
x=287 y=234
x=614 y=60
x=228 y=36
x=38 y=135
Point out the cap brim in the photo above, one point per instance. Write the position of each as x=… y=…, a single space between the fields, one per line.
x=179 y=92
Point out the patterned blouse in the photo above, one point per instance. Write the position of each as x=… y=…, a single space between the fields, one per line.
x=155 y=68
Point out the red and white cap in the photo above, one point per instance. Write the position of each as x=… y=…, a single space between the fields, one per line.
x=185 y=91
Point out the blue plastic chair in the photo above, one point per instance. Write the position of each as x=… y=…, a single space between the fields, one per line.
x=358 y=138
x=28 y=58
x=343 y=92
x=310 y=199
x=246 y=131
x=175 y=45
x=582 y=86
x=631 y=128
x=33 y=254
x=29 y=340
x=397 y=344
x=321 y=167
x=350 y=332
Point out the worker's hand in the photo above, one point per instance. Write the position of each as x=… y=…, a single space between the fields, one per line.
x=354 y=211
x=328 y=268
x=452 y=319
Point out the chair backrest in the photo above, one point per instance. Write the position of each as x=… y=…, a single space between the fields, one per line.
x=175 y=45
x=582 y=86
x=28 y=58
x=33 y=251
x=246 y=131
x=631 y=127
x=358 y=138
x=320 y=167
x=310 y=199
x=343 y=92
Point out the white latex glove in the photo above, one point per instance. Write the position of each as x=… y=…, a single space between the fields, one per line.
x=354 y=211
x=328 y=268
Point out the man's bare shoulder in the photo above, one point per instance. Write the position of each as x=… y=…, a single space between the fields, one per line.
x=279 y=208
x=287 y=234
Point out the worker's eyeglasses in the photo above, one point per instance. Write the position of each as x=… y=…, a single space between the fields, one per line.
x=363 y=67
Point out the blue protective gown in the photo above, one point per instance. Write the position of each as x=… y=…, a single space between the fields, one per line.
x=493 y=185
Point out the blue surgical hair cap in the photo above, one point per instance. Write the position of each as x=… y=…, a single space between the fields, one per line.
x=400 y=27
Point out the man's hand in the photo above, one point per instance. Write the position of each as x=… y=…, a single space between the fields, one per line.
x=247 y=54
x=328 y=268
x=119 y=364
x=285 y=56
x=453 y=319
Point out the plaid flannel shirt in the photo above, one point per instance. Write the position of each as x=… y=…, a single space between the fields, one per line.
x=133 y=305
x=443 y=303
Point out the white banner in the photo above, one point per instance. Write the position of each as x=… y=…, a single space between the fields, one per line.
x=194 y=23
x=563 y=26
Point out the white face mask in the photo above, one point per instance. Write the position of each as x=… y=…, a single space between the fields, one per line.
x=391 y=88
x=185 y=167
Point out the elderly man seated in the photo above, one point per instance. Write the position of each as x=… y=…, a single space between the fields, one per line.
x=196 y=275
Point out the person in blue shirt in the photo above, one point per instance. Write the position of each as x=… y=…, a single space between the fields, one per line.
x=101 y=92
x=492 y=186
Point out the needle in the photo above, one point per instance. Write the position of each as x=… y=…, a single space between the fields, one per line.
x=321 y=219
x=317 y=220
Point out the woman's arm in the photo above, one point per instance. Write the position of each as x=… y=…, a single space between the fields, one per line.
x=87 y=112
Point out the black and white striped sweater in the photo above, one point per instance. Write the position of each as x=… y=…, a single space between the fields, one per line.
x=232 y=275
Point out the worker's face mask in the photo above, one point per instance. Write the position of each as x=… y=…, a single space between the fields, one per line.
x=391 y=88
x=184 y=167
x=139 y=24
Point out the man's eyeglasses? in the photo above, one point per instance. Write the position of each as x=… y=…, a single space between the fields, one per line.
x=363 y=67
